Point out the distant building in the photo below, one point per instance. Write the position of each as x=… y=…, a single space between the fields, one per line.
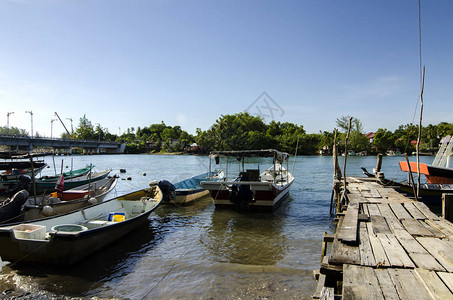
x=370 y=136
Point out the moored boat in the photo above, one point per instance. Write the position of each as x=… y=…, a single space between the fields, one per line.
x=67 y=239
x=188 y=190
x=49 y=186
x=11 y=172
x=250 y=188
x=60 y=203
x=439 y=172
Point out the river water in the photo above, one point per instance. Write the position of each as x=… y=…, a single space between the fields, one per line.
x=197 y=251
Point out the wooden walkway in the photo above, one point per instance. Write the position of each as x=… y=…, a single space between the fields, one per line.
x=386 y=246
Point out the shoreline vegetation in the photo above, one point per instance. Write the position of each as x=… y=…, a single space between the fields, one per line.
x=242 y=131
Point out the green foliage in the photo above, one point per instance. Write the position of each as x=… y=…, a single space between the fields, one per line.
x=384 y=140
x=243 y=131
x=4 y=130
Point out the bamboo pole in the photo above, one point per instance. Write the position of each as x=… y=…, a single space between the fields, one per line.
x=419 y=134
x=336 y=166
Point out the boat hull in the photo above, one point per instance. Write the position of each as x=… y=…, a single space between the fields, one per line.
x=67 y=248
x=37 y=211
x=265 y=195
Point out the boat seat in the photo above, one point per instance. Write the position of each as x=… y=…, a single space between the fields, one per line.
x=96 y=223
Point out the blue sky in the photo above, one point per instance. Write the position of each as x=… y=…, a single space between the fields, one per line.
x=133 y=63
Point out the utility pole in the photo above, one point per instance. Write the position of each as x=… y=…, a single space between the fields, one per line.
x=31 y=116
x=7 y=119
x=99 y=128
x=51 y=127
x=72 y=129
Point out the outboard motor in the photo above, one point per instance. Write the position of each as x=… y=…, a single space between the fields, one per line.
x=168 y=190
x=241 y=195
x=11 y=208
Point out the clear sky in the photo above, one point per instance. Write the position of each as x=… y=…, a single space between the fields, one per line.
x=133 y=63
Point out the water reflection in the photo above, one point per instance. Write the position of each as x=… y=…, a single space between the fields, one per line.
x=250 y=239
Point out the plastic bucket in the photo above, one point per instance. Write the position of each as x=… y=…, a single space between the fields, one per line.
x=117 y=217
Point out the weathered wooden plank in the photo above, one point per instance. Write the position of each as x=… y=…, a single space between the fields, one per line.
x=426 y=261
x=387 y=286
x=426 y=211
x=375 y=193
x=373 y=210
x=378 y=251
x=327 y=293
x=366 y=194
x=366 y=252
x=408 y=285
x=395 y=252
x=433 y=230
x=379 y=225
x=389 y=216
x=348 y=230
x=341 y=253
x=319 y=286
x=447 y=278
x=409 y=243
x=440 y=249
x=442 y=226
x=434 y=284
x=414 y=211
x=360 y=283
x=356 y=198
x=415 y=228
x=400 y=211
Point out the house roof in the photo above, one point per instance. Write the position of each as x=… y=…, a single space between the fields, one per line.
x=370 y=135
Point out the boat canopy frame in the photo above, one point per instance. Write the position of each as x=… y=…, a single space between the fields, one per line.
x=241 y=154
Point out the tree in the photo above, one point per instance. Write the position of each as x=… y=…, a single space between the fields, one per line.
x=85 y=130
x=343 y=123
x=384 y=140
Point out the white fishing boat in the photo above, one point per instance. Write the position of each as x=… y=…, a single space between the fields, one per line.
x=66 y=239
x=60 y=203
x=249 y=187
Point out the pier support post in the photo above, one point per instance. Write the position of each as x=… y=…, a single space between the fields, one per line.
x=447 y=207
x=378 y=163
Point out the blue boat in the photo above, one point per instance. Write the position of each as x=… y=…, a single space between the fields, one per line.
x=188 y=190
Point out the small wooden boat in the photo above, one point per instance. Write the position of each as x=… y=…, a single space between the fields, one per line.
x=249 y=188
x=69 y=200
x=67 y=239
x=439 y=172
x=188 y=190
x=70 y=174
x=48 y=186
x=11 y=172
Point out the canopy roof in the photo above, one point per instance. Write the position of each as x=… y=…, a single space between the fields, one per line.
x=253 y=153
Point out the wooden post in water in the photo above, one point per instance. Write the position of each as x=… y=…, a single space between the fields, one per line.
x=411 y=178
x=378 y=163
x=336 y=166
x=336 y=175
x=447 y=207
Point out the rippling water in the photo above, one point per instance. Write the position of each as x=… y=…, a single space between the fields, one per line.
x=197 y=251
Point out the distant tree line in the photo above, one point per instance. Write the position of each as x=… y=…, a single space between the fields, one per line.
x=242 y=131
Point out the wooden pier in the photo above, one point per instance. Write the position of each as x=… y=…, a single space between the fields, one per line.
x=386 y=246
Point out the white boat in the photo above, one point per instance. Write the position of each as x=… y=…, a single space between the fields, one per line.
x=69 y=200
x=66 y=239
x=250 y=188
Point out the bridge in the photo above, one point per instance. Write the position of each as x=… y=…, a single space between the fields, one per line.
x=65 y=145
